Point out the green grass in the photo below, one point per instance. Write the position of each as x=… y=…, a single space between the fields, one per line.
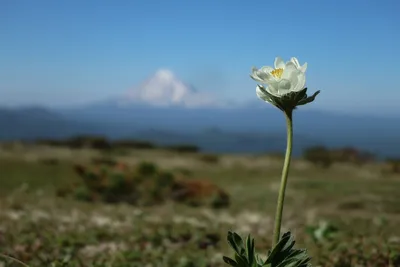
x=40 y=229
x=35 y=175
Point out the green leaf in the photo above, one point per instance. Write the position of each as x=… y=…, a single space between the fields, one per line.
x=300 y=95
x=284 y=254
x=259 y=261
x=308 y=99
x=250 y=250
x=242 y=261
x=325 y=231
x=236 y=242
x=229 y=261
x=279 y=248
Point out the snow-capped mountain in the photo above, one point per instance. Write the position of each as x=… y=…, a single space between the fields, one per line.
x=165 y=89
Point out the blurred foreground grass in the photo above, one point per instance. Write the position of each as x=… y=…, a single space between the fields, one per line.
x=41 y=229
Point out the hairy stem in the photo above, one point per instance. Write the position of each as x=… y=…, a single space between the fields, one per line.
x=285 y=172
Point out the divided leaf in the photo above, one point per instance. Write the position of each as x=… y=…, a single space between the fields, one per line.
x=282 y=255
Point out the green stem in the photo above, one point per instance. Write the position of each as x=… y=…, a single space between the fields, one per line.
x=285 y=172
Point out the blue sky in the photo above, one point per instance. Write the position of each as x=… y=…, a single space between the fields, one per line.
x=68 y=52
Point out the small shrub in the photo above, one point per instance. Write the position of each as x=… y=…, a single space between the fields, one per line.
x=184 y=171
x=276 y=155
x=346 y=154
x=118 y=183
x=146 y=168
x=63 y=192
x=79 y=169
x=351 y=205
x=198 y=192
x=49 y=161
x=143 y=185
x=88 y=141
x=108 y=161
x=165 y=179
x=366 y=157
x=393 y=165
x=318 y=155
x=183 y=148
x=50 y=142
x=209 y=158
x=127 y=143
x=118 y=151
x=83 y=193
x=352 y=155
x=221 y=200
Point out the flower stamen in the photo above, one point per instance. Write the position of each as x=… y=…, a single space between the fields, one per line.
x=277 y=73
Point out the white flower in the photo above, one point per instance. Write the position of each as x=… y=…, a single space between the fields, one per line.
x=282 y=79
x=297 y=64
x=285 y=84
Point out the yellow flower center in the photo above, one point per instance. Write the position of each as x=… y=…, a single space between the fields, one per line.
x=277 y=73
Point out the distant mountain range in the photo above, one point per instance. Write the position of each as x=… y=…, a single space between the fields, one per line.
x=167 y=111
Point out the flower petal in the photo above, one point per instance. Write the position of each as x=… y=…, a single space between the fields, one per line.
x=254 y=69
x=255 y=75
x=261 y=94
x=304 y=67
x=289 y=69
x=267 y=69
x=295 y=62
x=294 y=79
x=295 y=76
x=301 y=82
x=263 y=75
x=279 y=63
x=273 y=88
x=284 y=87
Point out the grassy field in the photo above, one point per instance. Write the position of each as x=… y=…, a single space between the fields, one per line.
x=41 y=229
